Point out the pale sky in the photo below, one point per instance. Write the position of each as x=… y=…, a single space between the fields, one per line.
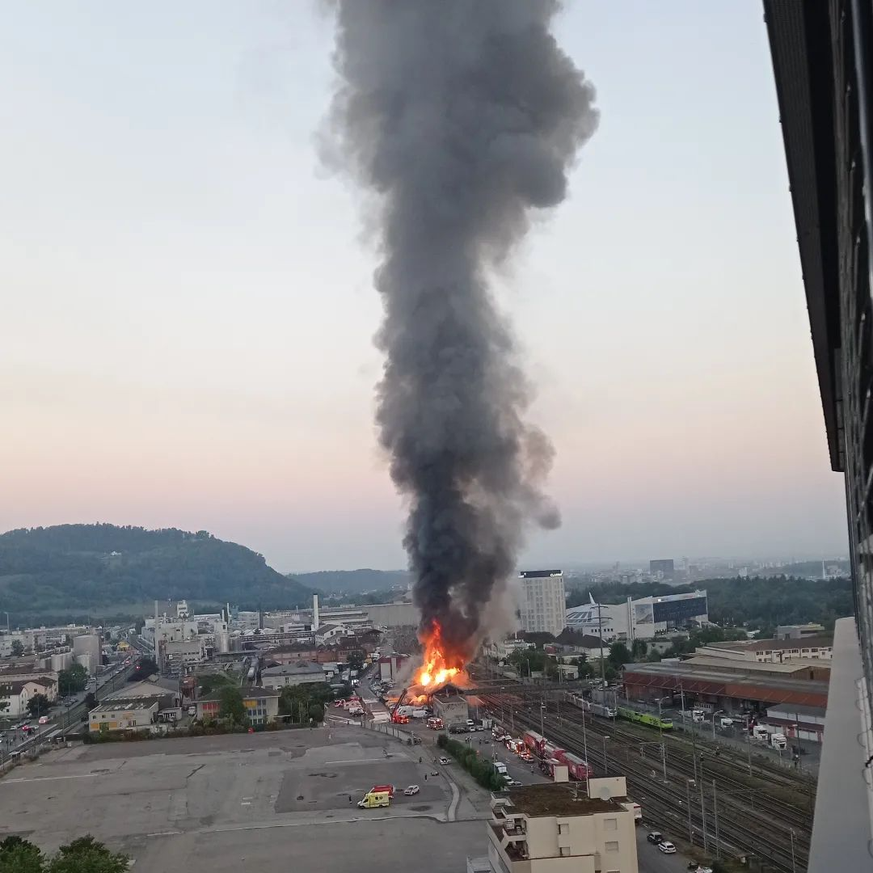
x=187 y=305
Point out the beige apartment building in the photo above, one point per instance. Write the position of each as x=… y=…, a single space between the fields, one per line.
x=558 y=829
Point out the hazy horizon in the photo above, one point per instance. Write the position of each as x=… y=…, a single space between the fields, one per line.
x=190 y=312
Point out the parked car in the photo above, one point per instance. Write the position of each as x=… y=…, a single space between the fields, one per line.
x=411 y=790
x=512 y=783
x=655 y=837
x=667 y=847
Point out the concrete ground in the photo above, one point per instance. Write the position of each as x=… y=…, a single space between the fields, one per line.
x=219 y=804
x=214 y=803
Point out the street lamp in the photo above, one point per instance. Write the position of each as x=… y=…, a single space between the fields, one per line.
x=542 y=719
x=717 y=712
x=605 y=759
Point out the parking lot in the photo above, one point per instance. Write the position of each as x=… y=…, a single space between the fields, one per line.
x=214 y=803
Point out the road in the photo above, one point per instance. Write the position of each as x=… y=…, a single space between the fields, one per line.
x=66 y=717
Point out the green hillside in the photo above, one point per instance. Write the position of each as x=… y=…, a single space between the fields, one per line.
x=78 y=569
x=354 y=581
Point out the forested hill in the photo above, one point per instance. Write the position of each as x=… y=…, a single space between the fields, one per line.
x=74 y=569
x=354 y=581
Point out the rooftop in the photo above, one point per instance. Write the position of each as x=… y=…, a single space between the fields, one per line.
x=113 y=704
x=556 y=800
x=298 y=669
x=775 y=645
x=539 y=574
x=247 y=693
x=788 y=669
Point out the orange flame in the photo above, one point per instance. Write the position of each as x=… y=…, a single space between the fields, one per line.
x=439 y=666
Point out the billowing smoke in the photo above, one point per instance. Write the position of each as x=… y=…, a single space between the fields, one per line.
x=460 y=115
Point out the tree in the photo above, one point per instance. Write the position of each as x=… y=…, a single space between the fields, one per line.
x=356 y=659
x=316 y=712
x=86 y=855
x=213 y=681
x=38 y=705
x=232 y=707
x=20 y=856
x=639 y=649
x=72 y=680
x=619 y=654
x=144 y=667
x=17 y=648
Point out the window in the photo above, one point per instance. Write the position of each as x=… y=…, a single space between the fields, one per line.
x=565 y=851
x=610 y=824
x=612 y=846
x=563 y=828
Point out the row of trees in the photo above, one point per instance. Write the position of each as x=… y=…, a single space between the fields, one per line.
x=478 y=767
x=85 y=855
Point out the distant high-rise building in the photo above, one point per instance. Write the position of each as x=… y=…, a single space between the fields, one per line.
x=543 y=603
x=662 y=566
x=823 y=66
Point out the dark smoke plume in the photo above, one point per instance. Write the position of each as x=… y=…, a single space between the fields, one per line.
x=460 y=115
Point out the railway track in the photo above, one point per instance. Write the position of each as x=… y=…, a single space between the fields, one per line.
x=741 y=830
x=792 y=815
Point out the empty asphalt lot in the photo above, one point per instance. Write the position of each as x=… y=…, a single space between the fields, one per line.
x=217 y=803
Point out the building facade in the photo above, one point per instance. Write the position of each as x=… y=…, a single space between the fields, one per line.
x=299 y=673
x=662 y=568
x=542 y=601
x=823 y=68
x=554 y=829
x=262 y=705
x=124 y=714
x=450 y=706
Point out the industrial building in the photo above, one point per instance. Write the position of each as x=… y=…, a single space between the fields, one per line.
x=728 y=685
x=542 y=601
x=555 y=829
x=641 y=619
x=88 y=652
x=125 y=714
x=772 y=651
x=298 y=673
x=451 y=706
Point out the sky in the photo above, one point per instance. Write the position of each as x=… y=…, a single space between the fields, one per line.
x=188 y=311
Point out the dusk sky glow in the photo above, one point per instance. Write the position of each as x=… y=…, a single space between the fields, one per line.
x=188 y=307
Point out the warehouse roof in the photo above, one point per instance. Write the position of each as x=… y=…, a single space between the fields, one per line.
x=772 y=645
x=297 y=669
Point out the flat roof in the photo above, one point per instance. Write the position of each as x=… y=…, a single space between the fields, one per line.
x=557 y=800
x=715 y=675
x=299 y=668
x=787 y=669
x=819 y=641
x=113 y=704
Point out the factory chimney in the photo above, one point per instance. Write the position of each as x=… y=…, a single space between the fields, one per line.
x=314 y=612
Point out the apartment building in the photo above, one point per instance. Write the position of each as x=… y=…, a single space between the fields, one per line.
x=559 y=829
x=262 y=705
x=542 y=601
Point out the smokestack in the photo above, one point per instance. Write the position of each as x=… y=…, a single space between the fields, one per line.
x=314 y=612
x=461 y=116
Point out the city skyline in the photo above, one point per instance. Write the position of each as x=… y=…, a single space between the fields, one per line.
x=190 y=308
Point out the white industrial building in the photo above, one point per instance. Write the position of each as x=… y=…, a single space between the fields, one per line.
x=542 y=601
x=639 y=619
x=87 y=651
